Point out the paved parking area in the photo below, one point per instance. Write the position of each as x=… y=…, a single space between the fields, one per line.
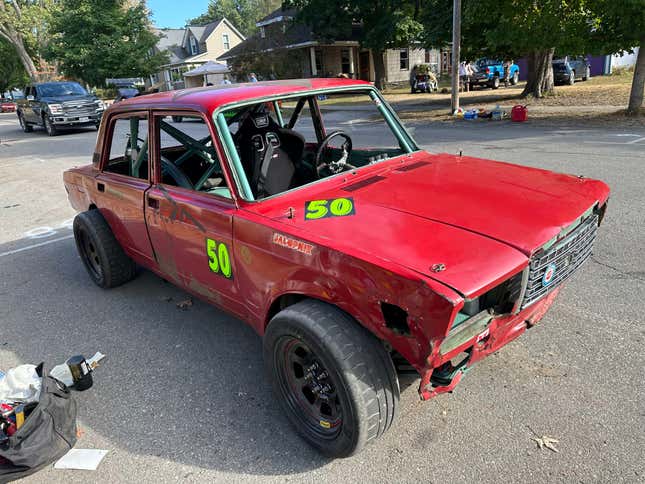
x=182 y=395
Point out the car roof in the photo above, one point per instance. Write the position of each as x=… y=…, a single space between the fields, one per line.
x=210 y=98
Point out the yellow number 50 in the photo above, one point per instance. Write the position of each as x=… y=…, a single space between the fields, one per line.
x=218 y=259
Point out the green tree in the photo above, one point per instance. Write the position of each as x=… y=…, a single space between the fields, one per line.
x=12 y=71
x=385 y=24
x=22 y=24
x=620 y=26
x=243 y=14
x=516 y=28
x=96 y=39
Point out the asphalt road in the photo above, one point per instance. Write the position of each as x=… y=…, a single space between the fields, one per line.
x=182 y=395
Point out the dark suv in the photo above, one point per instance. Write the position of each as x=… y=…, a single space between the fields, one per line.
x=54 y=105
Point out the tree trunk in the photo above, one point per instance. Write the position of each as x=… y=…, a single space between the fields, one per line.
x=638 y=83
x=540 y=73
x=15 y=39
x=379 y=69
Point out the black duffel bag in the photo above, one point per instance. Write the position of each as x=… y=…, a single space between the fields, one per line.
x=49 y=432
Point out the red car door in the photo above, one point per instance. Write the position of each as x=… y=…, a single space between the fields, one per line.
x=191 y=229
x=122 y=183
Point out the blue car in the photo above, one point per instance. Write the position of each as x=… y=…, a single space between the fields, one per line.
x=490 y=72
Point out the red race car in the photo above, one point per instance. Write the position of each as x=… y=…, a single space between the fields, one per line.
x=7 y=106
x=307 y=210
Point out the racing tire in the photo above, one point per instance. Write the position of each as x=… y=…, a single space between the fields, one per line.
x=515 y=79
x=103 y=257
x=26 y=127
x=313 y=343
x=495 y=83
x=49 y=127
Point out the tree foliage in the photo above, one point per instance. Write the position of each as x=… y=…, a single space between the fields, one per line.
x=12 y=72
x=96 y=39
x=243 y=14
x=385 y=24
x=23 y=25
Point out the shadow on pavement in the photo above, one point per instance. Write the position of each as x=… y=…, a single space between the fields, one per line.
x=183 y=385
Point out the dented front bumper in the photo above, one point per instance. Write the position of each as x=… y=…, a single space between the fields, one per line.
x=485 y=335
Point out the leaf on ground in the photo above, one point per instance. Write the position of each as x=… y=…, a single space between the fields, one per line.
x=185 y=304
x=546 y=442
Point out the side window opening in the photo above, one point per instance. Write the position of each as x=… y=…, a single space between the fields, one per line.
x=129 y=147
x=187 y=156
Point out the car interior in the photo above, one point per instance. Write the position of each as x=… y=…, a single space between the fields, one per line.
x=276 y=155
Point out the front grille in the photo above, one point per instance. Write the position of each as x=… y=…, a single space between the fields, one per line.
x=79 y=108
x=561 y=261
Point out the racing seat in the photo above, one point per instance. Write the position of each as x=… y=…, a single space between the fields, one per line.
x=269 y=154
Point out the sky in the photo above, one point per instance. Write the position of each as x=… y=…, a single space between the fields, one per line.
x=173 y=13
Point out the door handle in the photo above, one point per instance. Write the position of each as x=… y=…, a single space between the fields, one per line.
x=153 y=202
x=100 y=187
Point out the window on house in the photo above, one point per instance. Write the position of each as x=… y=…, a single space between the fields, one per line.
x=404 y=60
x=263 y=33
x=344 y=61
x=319 y=62
x=193 y=46
x=129 y=147
x=227 y=44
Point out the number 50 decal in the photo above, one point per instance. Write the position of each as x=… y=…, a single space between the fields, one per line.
x=218 y=259
x=337 y=207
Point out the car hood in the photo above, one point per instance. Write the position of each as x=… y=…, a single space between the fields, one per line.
x=479 y=219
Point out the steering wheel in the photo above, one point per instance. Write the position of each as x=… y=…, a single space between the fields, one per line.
x=173 y=171
x=334 y=166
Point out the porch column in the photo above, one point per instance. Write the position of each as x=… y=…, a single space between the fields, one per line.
x=312 y=58
x=352 y=70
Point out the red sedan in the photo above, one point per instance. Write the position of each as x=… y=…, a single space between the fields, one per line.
x=7 y=106
x=306 y=209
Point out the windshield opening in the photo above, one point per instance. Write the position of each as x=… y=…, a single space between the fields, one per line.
x=292 y=142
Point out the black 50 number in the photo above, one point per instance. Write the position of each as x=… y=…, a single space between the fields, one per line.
x=218 y=259
x=337 y=207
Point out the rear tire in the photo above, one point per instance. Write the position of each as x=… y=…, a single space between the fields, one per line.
x=572 y=78
x=103 y=257
x=312 y=345
x=26 y=127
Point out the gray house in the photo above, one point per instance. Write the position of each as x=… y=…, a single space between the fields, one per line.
x=289 y=49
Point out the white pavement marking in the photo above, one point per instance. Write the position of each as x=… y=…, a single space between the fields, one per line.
x=34 y=246
x=635 y=141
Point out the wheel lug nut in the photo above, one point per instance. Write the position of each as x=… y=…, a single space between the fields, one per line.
x=322 y=375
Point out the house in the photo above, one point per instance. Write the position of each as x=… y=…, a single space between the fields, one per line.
x=192 y=47
x=284 y=48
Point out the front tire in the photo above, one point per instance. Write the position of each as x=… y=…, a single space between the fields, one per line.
x=49 y=126
x=334 y=380
x=495 y=82
x=103 y=257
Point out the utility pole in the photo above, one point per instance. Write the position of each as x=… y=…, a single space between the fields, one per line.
x=456 y=45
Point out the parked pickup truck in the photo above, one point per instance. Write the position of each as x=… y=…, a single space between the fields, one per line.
x=55 y=105
x=490 y=72
x=354 y=253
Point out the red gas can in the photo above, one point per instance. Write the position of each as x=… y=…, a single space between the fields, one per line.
x=519 y=113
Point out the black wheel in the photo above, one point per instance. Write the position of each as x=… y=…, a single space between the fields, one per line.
x=177 y=119
x=515 y=79
x=26 y=127
x=104 y=259
x=335 y=380
x=495 y=83
x=49 y=126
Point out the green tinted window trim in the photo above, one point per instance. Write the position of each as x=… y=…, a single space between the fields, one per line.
x=394 y=125
x=229 y=146
x=231 y=153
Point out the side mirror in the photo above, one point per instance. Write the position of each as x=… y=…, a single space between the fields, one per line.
x=30 y=98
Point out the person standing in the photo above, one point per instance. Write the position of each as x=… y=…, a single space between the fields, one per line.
x=465 y=71
x=252 y=77
x=225 y=80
